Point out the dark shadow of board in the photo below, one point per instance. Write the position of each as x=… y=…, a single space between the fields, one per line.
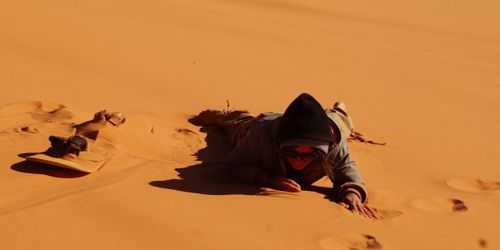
x=45 y=169
x=209 y=177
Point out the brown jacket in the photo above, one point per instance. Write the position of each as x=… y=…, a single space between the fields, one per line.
x=258 y=154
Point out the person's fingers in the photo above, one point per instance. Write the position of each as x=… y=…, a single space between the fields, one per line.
x=286 y=186
x=289 y=186
x=370 y=212
x=294 y=188
x=295 y=184
x=344 y=205
x=277 y=183
x=281 y=186
x=358 y=209
x=366 y=211
x=351 y=198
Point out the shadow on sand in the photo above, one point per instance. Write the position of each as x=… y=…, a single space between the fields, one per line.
x=209 y=176
x=39 y=168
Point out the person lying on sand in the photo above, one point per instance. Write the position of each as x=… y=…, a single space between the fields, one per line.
x=293 y=150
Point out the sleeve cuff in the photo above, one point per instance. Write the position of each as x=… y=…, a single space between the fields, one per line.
x=353 y=187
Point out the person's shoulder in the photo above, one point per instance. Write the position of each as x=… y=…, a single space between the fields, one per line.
x=265 y=122
x=265 y=127
x=338 y=148
x=270 y=116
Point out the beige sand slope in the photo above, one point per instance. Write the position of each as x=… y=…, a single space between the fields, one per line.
x=423 y=76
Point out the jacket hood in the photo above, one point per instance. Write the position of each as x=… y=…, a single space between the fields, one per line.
x=305 y=119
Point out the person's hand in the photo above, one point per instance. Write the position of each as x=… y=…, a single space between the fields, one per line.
x=284 y=184
x=353 y=202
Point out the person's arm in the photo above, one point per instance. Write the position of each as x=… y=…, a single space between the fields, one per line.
x=348 y=183
x=245 y=161
x=346 y=177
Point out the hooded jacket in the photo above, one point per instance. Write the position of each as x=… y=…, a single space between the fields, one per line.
x=257 y=154
x=305 y=119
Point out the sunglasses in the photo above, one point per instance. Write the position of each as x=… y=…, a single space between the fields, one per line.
x=290 y=152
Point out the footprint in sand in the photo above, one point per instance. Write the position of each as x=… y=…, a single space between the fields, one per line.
x=26 y=129
x=387 y=199
x=483 y=243
x=440 y=205
x=350 y=242
x=386 y=214
x=473 y=185
x=29 y=117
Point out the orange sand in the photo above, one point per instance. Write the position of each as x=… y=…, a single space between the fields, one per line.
x=422 y=76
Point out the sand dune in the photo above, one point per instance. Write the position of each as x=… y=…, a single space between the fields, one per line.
x=421 y=76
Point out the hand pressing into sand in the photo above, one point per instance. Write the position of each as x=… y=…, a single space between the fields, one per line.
x=353 y=202
x=284 y=184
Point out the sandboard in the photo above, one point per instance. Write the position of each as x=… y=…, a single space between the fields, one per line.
x=86 y=162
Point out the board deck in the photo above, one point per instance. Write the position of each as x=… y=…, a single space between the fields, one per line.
x=86 y=162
